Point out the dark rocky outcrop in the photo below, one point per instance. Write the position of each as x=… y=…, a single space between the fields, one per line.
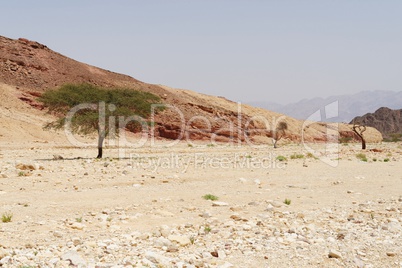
x=385 y=120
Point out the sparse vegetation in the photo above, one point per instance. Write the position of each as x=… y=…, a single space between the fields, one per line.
x=281 y=158
x=345 y=140
x=394 y=137
x=210 y=145
x=78 y=219
x=362 y=157
x=101 y=109
x=192 y=240
x=207 y=229
x=21 y=174
x=374 y=159
x=6 y=217
x=287 y=201
x=310 y=155
x=386 y=160
x=210 y=197
x=297 y=156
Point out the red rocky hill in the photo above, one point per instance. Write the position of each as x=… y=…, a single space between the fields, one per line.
x=28 y=68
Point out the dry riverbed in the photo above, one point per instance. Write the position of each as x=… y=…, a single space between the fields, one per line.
x=146 y=209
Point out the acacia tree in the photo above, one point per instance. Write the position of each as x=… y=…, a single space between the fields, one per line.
x=279 y=132
x=359 y=129
x=85 y=109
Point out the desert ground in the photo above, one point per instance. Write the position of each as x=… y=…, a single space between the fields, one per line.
x=145 y=207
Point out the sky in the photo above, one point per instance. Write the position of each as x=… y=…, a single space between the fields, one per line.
x=274 y=50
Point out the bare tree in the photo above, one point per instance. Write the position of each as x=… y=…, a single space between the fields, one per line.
x=359 y=129
x=279 y=132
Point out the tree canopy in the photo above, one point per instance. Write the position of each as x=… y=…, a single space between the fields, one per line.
x=86 y=108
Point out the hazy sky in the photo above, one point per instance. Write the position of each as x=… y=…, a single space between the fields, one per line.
x=280 y=51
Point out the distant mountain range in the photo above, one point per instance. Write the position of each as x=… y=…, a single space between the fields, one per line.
x=349 y=106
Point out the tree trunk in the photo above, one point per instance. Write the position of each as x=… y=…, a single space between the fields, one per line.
x=275 y=141
x=362 y=138
x=100 y=145
x=363 y=143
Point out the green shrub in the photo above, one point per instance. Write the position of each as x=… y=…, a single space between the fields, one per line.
x=310 y=155
x=296 y=156
x=362 y=157
x=281 y=158
x=386 y=160
x=210 y=197
x=287 y=201
x=6 y=217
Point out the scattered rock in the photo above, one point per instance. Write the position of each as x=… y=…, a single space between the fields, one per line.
x=226 y=265
x=25 y=167
x=77 y=226
x=3 y=253
x=334 y=254
x=219 y=204
x=156 y=258
x=76 y=241
x=180 y=239
x=214 y=254
x=74 y=258
x=243 y=180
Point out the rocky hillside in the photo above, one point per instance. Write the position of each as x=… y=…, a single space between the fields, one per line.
x=385 y=120
x=29 y=68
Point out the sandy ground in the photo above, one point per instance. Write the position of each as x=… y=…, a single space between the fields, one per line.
x=160 y=186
